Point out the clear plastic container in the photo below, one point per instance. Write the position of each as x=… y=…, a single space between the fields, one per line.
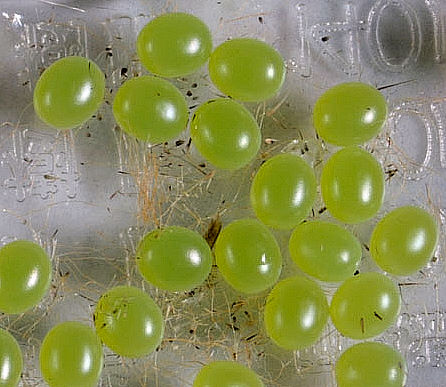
x=89 y=194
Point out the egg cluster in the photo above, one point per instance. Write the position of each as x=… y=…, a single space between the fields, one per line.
x=283 y=191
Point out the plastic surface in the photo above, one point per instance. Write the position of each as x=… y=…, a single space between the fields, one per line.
x=89 y=194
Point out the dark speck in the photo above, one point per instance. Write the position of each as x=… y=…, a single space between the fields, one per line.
x=233 y=327
x=322 y=210
x=325 y=39
x=189 y=93
x=213 y=231
x=377 y=316
x=260 y=20
x=124 y=71
x=356 y=272
x=194 y=85
x=156 y=234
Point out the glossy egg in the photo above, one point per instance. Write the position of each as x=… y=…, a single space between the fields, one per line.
x=365 y=305
x=225 y=133
x=69 y=92
x=352 y=185
x=350 y=114
x=174 y=258
x=370 y=365
x=247 y=69
x=11 y=360
x=128 y=321
x=71 y=355
x=227 y=374
x=404 y=240
x=174 y=44
x=296 y=313
x=25 y=275
x=283 y=191
x=248 y=256
x=150 y=109
x=325 y=250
